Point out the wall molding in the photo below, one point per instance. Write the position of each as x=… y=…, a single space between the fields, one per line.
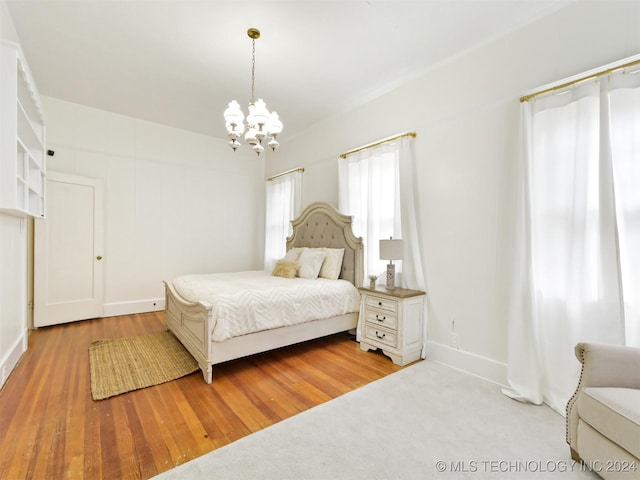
x=129 y=308
x=13 y=356
x=476 y=365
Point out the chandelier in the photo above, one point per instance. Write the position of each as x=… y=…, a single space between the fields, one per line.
x=261 y=124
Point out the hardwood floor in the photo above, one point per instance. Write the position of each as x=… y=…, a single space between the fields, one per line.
x=51 y=428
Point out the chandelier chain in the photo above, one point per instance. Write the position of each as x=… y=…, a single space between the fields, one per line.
x=253 y=70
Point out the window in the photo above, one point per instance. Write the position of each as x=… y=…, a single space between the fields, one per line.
x=370 y=193
x=377 y=188
x=577 y=262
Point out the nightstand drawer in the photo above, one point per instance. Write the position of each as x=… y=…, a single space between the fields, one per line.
x=378 y=317
x=382 y=303
x=381 y=335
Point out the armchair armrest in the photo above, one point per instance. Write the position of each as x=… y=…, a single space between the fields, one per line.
x=602 y=366
x=608 y=365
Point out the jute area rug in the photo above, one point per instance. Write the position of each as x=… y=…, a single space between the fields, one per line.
x=125 y=364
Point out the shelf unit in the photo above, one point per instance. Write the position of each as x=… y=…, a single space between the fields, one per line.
x=22 y=137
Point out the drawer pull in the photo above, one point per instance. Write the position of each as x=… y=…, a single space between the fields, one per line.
x=380 y=336
x=380 y=319
x=379 y=304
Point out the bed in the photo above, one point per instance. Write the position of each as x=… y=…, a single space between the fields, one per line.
x=192 y=313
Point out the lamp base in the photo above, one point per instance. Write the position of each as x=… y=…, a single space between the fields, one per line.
x=391 y=277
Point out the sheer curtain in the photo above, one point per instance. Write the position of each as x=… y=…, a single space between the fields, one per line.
x=625 y=143
x=369 y=191
x=377 y=187
x=283 y=204
x=576 y=273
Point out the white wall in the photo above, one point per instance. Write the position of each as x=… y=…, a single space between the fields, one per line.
x=13 y=273
x=466 y=114
x=7 y=29
x=176 y=202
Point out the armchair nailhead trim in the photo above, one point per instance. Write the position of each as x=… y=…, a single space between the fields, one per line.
x=573 y=399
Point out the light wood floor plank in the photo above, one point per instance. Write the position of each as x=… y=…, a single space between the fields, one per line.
x=51 y=428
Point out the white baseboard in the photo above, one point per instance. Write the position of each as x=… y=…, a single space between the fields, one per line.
x=13 y=356
x=128 y=308
x=467 y=362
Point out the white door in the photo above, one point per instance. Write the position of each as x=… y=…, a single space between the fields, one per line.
x=68 y=265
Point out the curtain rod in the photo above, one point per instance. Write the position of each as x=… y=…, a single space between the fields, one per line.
x=375 y=144
x=293 y=170
x=596 y=74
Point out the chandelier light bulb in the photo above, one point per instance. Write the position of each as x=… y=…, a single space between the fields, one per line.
x=274 y=126
x=260 y=124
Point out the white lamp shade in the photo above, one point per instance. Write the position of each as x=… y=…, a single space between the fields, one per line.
x=258 y=114
x=233 y=115
x=274 y=126
x=391 y=249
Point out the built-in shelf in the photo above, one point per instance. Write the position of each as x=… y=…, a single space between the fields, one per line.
x=22 y=137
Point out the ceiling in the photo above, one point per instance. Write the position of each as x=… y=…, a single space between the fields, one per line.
x=180 y=62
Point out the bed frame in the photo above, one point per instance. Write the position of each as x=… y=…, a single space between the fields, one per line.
x=319 y=225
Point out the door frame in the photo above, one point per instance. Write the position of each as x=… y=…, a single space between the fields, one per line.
x=40 y=261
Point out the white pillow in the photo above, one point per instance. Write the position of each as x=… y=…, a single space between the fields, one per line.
x=293 y=254
x=310 y=263
x=332 y=264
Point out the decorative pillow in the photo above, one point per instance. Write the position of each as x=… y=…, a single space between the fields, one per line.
x=293 y=254
x=332 y=264
x=285 y=269
x=310 y=263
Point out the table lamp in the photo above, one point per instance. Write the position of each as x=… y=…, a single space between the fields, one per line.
x=391 y=250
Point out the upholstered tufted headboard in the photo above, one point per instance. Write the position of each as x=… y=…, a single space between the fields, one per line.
x=321 y=225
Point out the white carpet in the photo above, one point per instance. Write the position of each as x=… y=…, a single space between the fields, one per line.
x=426 y=421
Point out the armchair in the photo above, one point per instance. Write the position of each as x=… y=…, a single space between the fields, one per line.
x=603 y=415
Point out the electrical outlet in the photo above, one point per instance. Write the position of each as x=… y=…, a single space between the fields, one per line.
x=455 y=340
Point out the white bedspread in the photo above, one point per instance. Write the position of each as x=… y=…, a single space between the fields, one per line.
x=247 y=302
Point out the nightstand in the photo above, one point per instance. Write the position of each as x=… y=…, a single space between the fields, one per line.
x=392 y=320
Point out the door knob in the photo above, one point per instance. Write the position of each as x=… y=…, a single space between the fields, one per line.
x=99 y=257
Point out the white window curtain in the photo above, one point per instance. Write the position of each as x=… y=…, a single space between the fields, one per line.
x=283 y=204
x=577 y=262
x=377 y=188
